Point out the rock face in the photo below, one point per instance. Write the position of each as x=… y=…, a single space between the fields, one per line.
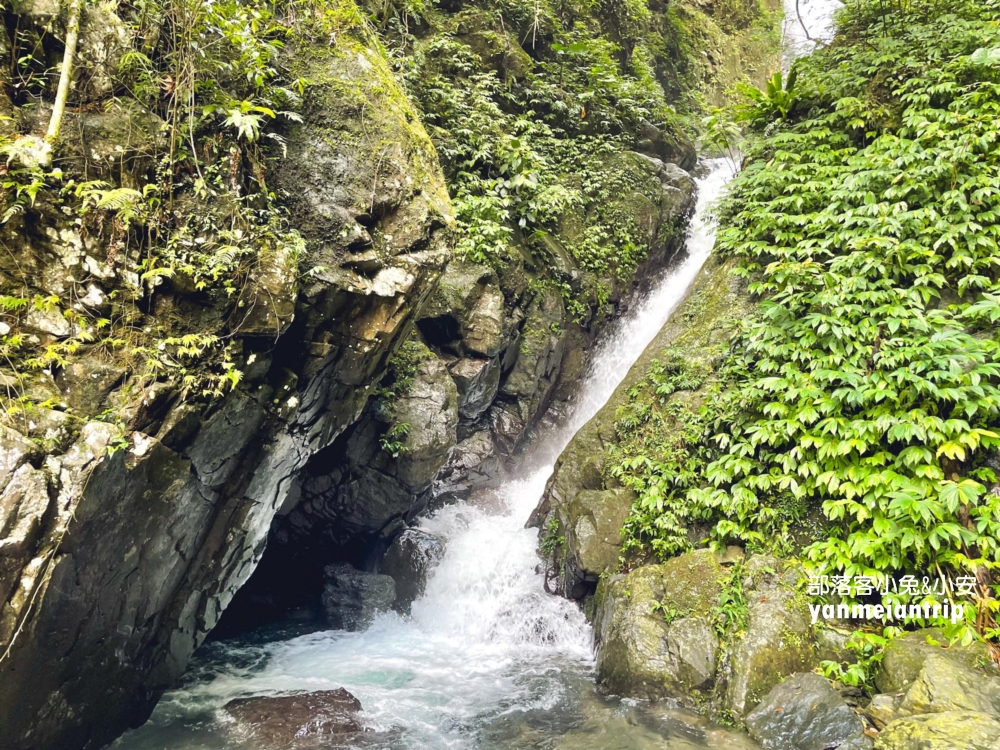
x=305 y=719
x=408 y=561
x=805 y=713
x=120 y=568
x=654 y=628
x=352 y=598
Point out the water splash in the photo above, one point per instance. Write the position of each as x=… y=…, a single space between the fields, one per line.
x=486 y=652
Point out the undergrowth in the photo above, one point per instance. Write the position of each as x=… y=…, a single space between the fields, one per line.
x=867 y=385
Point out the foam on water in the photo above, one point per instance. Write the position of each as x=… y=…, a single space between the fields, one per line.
x=485 y=641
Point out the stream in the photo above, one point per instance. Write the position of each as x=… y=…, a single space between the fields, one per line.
x=487 y=660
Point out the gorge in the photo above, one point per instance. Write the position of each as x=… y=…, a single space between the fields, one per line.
x=372 y=381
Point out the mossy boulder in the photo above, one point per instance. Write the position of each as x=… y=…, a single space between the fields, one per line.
x=952 y=730
x=779 y=639
x=905 y=657
x=594 y=527
x=654 y=628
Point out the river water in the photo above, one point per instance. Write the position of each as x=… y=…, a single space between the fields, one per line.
x=487 y=660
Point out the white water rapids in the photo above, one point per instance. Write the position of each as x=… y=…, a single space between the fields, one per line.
x=487 y=660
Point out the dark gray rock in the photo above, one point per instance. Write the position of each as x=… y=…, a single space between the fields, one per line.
x=805 y=713
x=477 y=381
x=350 y=494
x=352 y=598
x=280 y=721
x=474 y=464
x=409 y=560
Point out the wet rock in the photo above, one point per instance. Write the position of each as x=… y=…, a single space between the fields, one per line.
x=431 y=411
x=883 y=709
x=805 y=713
x=473 y=464
x=654 y=628
x=904 y=658
x=24 y=503
x=477 y=381
x=594 y=528
x=945 y=684
x=779 y=640
x=86 y=383
x=294 y=720
x=409 y=560
x=483 y=329
x=352 y=598
x=542 y=343
x=359 y=486
x=267 y=302
x=507 y=426
x=952 y=730
x=15 y=450
x=465 y=315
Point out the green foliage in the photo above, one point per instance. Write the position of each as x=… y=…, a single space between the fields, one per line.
x=669 y=612
x=552 y=540
x=393 y=441
x=531 y=143
x=867 y=649
x=775 y=101
x=868 y=383
x=731 y=616
x=201 y=216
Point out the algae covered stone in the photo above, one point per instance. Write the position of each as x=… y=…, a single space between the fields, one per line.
x=904 y=658
x=779 y=639
x=952 y=730
x=655 y=630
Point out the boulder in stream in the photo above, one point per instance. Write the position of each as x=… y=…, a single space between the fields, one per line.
x=778 y=640
x=654 y=628
x=408 y=561
x=805 y=713
x=296 y=720
x=352 y=598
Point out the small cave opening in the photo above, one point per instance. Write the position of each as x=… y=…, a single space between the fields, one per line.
x=286 y=588
x=442 y=332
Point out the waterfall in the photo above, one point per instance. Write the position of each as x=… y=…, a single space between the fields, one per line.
x=486 y=659
x=485 y=644
x=806 y=24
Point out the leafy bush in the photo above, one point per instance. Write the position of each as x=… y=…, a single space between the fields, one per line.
x=868 y=383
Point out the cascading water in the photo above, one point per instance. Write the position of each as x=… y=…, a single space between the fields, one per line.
x=487 y=660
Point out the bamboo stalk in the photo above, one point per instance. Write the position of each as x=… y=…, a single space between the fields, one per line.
x=66 y=73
